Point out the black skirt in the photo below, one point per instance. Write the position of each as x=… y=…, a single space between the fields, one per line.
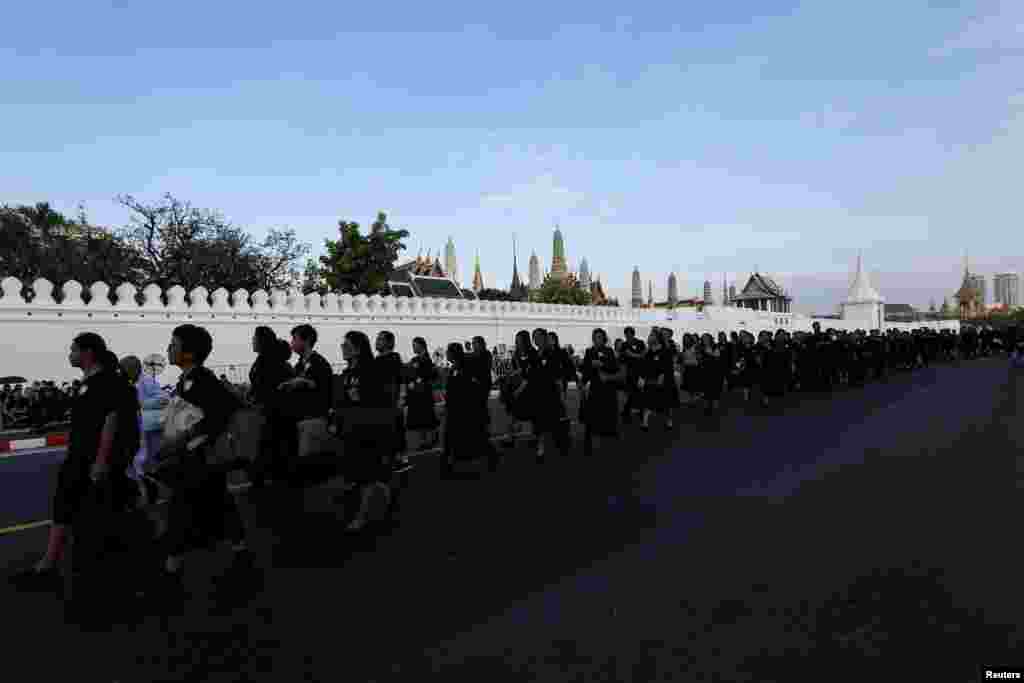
x=655 y=397
x=600 y=410
x=421 y=415
x=73 y=486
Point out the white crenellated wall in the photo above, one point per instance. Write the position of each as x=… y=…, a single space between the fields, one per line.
x=35 y=336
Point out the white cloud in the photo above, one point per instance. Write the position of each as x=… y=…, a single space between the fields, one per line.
x=544 y=194
x=999 y=28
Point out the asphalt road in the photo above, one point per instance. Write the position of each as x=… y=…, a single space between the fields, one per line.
x=867 y=533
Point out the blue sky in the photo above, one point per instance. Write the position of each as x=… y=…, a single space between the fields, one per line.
x=688 y=136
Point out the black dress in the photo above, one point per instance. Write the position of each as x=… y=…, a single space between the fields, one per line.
x=466 y=433
x=521 y=407
x=657 y=369
x=600 y=411
x=544 y=391
x=744 y=367
x=711 y=373
x=673 y=386
x=368 y=447
x=419 y=396
x=775 y=368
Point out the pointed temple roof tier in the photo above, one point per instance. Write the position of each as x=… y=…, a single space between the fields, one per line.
x=559 y=267
x=861 y=290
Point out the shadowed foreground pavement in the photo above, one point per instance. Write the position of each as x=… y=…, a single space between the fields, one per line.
x=845 y=537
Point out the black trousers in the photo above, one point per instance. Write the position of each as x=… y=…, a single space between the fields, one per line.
x=633 y=401
x=201 y=508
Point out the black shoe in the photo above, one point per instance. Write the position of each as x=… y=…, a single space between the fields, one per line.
x=32 y=581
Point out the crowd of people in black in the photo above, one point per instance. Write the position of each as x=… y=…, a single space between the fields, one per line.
x=37 y=404
x=380 y=397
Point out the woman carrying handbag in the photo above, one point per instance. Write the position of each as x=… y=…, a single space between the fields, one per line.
x=366 y=424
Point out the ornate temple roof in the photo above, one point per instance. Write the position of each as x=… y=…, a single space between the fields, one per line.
x=861 y=290
x=761 y=287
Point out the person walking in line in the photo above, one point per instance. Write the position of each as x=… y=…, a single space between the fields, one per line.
x=632 y=357
x=201 y=509
x=268 y=372
x=599 y=397
x=389 y=370
x=152 y=401
x=365 y=422
x=655 y=373
x=99 y=413
x=421 y=373
x=466 y=436
x=524 y=359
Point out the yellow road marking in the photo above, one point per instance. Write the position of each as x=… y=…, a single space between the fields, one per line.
x=25 y=527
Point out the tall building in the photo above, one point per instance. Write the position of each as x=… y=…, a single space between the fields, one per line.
x=732 y=293
x=584 y=274
x=559 y=268
x=1007 y=289
x=637 y=299
x=708 y=301
x=673 y=289
x=650 y=294
x=535 y=280
x=451 y=265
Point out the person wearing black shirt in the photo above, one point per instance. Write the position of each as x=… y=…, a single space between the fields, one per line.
x=201 y=509
x=711 y=373
x=654 y=377
x=632 y=357
x=542 y=389
x=673 y=385
x=99 y=449
x=419 y=395
x=368 y=446
x=388 y=367
x=744 y=365
x=308 y=393
x=269 y=371
x=519 y=408
x=466 y=434
x=599 y=405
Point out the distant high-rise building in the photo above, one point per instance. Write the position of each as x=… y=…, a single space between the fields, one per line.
x=535 y=279
x=673 y=290
x=584 y=274
x=732 y=293
x=707 y=293
x=650 y=294
x=451 y=265
x=1007 y=289
x=637 y=299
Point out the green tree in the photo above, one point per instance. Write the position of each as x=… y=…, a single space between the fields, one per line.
x=554 y=291
x=180 y=244
x=36 y=241
x=361 y=264
x=489 y=294
x=946 y=311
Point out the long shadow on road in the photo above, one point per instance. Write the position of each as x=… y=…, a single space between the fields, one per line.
x=717 y=548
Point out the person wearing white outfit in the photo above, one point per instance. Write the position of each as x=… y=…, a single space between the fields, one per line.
x=153 y=401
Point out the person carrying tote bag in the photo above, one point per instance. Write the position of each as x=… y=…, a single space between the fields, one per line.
x=366 y=422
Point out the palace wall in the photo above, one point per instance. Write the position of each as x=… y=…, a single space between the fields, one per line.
x=35 y=335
